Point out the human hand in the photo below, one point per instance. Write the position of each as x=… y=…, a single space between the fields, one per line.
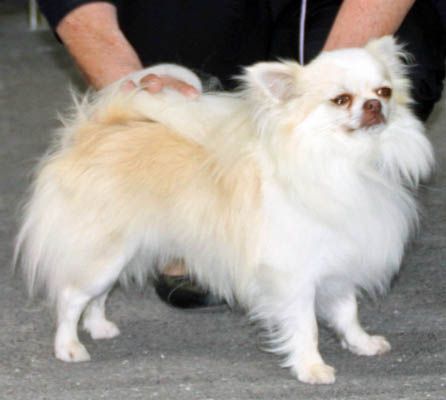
x=156 y=83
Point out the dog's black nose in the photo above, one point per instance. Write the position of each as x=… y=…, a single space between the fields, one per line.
x=372 y=106
x=372 y=114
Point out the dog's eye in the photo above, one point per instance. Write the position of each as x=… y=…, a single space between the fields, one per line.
x=384 y=92
x=344 y=99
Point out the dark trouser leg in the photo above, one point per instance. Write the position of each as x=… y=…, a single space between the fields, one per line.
x=424 y=37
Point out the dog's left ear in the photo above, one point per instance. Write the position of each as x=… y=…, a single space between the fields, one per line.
x=275 y=80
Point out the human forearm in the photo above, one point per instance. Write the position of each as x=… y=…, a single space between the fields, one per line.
x=360 y=20
x=92 y=36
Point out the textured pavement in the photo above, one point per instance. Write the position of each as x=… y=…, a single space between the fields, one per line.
x=165 y=353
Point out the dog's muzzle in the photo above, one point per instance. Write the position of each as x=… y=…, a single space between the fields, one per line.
x=372 y=113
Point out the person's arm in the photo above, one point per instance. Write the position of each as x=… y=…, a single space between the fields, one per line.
x=92 y=36
x=360 y=20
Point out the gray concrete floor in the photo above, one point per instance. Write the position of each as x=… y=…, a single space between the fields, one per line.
x=164 y=353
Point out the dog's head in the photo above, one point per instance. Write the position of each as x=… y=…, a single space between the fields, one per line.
x=348 y=103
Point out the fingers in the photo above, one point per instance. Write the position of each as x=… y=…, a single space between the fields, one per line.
x=128 y=86
x=155 y=83
x=181 y=86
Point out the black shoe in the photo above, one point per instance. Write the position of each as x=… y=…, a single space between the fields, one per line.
x=181 y=292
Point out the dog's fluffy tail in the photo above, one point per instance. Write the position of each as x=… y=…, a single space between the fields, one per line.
x=39 y=246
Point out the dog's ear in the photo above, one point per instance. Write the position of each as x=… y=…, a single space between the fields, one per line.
x=389 y=52
x=275 y=80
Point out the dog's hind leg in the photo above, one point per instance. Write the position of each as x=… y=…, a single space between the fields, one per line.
x=71 y=302
x=96 y=323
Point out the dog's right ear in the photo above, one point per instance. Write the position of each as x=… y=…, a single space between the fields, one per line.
x=275 y=80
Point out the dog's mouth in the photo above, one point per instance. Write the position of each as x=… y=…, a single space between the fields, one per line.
x=374 y=127
x=368 y=123
x=372 y=121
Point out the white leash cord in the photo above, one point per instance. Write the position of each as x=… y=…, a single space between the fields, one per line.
x=303 y=16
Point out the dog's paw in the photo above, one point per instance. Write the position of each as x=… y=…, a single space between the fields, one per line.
x=369 y=346
x=319 y=373
x=73 y=351
x=101 y=329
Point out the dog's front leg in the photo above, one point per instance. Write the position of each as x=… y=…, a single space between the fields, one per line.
x=294 y=333
x=341 y=313
x=302 y=330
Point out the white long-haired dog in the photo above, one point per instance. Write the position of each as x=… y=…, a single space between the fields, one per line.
x=288 y=197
